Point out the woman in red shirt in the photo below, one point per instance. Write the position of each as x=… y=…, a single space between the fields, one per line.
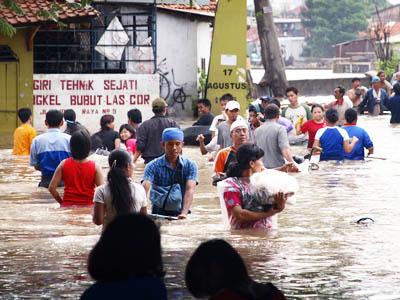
x=312 y=126
x=80 y=175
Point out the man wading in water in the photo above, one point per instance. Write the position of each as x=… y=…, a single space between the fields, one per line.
x=171 y=178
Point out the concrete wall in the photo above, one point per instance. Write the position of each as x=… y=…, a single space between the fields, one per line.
x=15 y=81
x=323 y=86
x=182 y=41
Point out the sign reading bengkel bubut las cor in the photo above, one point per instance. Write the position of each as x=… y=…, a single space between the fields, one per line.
x=93 y=95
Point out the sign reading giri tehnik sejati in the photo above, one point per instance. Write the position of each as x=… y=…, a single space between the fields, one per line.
x=93 y=95
x=227 y=70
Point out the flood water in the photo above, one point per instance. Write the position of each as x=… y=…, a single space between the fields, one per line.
x=319 y=252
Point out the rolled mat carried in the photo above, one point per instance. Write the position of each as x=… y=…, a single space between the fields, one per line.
x=192 y=132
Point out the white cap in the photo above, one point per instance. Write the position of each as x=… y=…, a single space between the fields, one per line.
x=237 y=124
x=231 y=105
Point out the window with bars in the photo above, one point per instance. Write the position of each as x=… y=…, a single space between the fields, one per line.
x=72 y=49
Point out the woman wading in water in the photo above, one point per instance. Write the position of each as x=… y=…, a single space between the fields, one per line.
x=237 y=190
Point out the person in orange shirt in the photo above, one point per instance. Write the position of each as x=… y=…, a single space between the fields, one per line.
x=24 y=134
x=239 y=135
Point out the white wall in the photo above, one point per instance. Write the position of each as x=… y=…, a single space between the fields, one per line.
x=204 y=39
x=182 y=42
x=293 y=45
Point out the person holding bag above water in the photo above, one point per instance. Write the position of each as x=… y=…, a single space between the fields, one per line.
x=171 y=178
x=119 y=195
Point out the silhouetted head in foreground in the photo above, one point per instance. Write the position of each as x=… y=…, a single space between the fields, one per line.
x=216 y=270
x=129 y=247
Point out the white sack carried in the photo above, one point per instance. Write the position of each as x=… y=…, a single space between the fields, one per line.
x=269 y=182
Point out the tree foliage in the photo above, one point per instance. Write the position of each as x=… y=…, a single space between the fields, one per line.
x=6 y=29
x=332 y=22
x=389 y=66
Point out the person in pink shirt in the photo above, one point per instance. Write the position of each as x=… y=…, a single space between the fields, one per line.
x=312 y=126
x=127 y=135
x=237 y=191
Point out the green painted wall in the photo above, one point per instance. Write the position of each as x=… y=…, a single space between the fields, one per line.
x=227 y=71
x=15 y=83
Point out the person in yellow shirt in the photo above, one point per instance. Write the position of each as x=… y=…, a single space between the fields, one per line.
x=24 y=134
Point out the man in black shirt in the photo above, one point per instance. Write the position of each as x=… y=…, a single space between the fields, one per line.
x=134 y=118
x=205 y=117
x=148 y=143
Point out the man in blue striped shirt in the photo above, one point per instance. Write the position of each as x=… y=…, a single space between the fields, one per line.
x=171 y=176
x=50 y=148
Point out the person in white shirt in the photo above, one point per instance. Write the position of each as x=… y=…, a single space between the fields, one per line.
x=341 y=104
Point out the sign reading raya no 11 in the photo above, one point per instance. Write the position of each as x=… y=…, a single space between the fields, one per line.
x=93 y=95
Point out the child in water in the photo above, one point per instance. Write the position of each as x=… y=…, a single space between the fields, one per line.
x=80 y=175
x=24 y=134
x=127 y=135
x=119 y=195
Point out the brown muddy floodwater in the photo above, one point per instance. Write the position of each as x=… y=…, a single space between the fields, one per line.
x=319 y=252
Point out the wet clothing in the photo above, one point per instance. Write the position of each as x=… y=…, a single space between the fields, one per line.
x=103 y=195
x=23 y=137
x=273 y=139
x=79 y=182
x=236 y=193
x=159 y=172
x=311 y=127
x=204 y=120
x=331 y=141
x=48 y=150
x=364 y=141
x=149 y=136
x=142 y=288
x=104 y=139
x=374 y=102
x=393 y=104
x=223 y=159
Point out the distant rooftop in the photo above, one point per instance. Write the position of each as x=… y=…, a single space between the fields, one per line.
x=207 y=10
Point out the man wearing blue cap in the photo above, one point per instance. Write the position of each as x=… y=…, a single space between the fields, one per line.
x=171 y=178
x=374 y=99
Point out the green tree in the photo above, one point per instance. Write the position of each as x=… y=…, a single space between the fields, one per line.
x=6 y=29
x=332 y=22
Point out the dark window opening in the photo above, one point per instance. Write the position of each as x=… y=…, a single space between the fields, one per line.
x=72 y=49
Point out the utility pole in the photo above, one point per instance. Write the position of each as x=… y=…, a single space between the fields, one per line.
x=274 y=77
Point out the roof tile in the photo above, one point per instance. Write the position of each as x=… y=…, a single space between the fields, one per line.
x=211 y=8
x=31 y=7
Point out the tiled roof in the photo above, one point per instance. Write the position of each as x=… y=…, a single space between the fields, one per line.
x=31 y=7
x=196 y=9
